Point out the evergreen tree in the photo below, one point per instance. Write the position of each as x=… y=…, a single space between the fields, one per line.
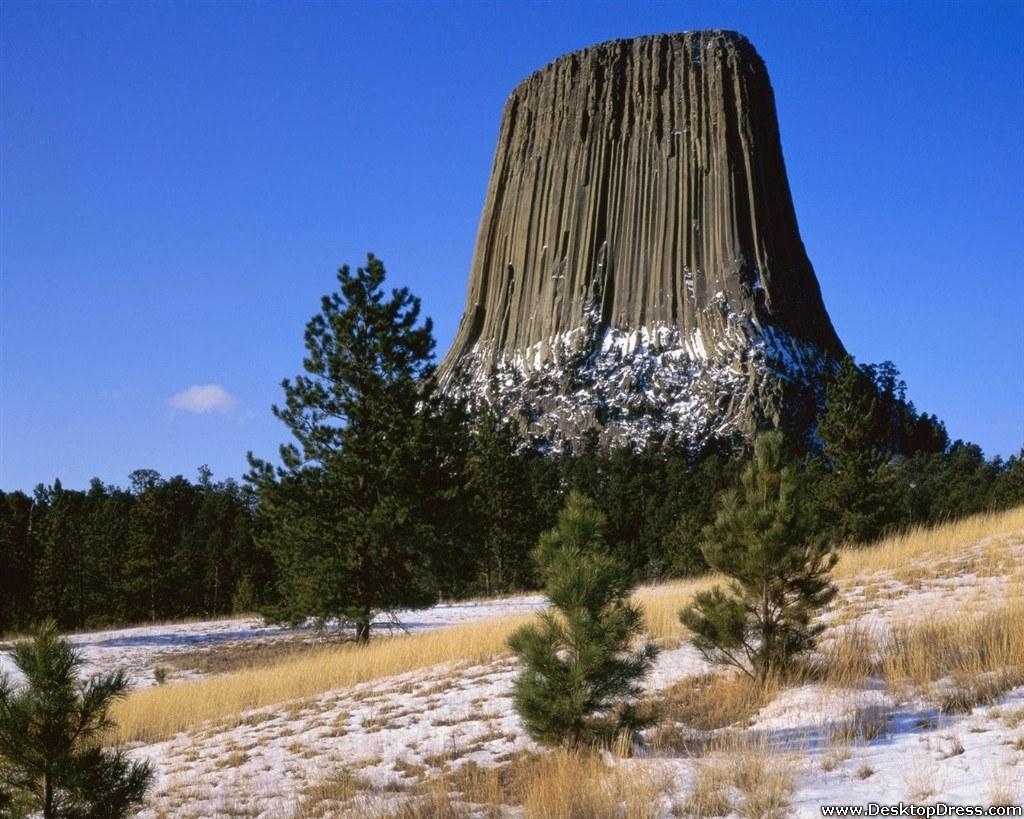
x=148 y=578
x=105 y=556
x=347 y=514
x=869 y=430
x=899 y=430
x=580 y=673
x=505 y=516
x=1008 y=490
x=853 y=502
x=228 y=558
x=104 y=537
x=50 y=730
x=967 y=482
x=60 y=572
x=778 y=573
x=17 y=560
x=696 y=493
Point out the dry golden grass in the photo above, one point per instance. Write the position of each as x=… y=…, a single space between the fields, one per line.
x=556 y=785
x=712 y=701
x=342 y=787
x=581 y=786
x=505 y=784
x=710 y=794
x=432 y=805
x=849 y=657
x=902 y=553
x=963 y=660
x=661 y=604
x=153 y=714
x=745 y=777
x=157 y=713
x=864 y=725
x=967 y=658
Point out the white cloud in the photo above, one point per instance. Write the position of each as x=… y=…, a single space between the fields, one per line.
x=204 y=398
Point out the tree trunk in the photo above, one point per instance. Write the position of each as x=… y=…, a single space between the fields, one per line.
x=767 y=637
x=48 y=812
x=363 y=630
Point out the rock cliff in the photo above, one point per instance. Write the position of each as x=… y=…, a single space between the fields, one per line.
x=638 y=267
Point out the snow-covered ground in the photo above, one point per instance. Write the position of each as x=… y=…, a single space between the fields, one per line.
x=141 y=650
x=391 y=733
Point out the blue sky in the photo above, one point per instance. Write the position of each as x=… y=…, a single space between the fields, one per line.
x=180 y=181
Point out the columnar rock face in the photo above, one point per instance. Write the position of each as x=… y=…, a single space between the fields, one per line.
x=638 y=267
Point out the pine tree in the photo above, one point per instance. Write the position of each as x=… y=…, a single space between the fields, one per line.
x=58 y=581
x=149 y=550
x=105 y=538
x=505 y=518
x=853 y=502
x=50 y=730
x=580 y=674
x=17 y=560
x=348 y=514
x=778 y=572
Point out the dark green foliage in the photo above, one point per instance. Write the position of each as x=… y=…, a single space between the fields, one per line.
x=580 y=673
x=50 y=735
x=778 y=572
x=643 y=495
x=507 y=506
x=853 y=501
x=696 y=495
x=965 y=475
x=60 y=570
x=1008 y=489
x=105 y=556
x=187 y=546
x=351 y=514
x=441 y=496
x=17 y=559
x=150 y=570
x=867 y=427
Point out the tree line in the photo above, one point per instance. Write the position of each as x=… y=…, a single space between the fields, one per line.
x=390 y=495
x=161 y=549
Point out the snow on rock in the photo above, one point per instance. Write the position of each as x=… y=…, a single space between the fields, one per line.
x=644 y=384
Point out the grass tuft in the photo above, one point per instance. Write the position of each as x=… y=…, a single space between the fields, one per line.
x=712 y=701
x=743 y=777
x=961 y=662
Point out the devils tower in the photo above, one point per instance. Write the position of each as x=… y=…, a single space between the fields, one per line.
x=638 y=268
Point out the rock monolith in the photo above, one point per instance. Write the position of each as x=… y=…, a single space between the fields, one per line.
x=638 y=267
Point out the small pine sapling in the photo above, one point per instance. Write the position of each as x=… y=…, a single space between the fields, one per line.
x=778 y=572
x=581 y=676
x=51 y=729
